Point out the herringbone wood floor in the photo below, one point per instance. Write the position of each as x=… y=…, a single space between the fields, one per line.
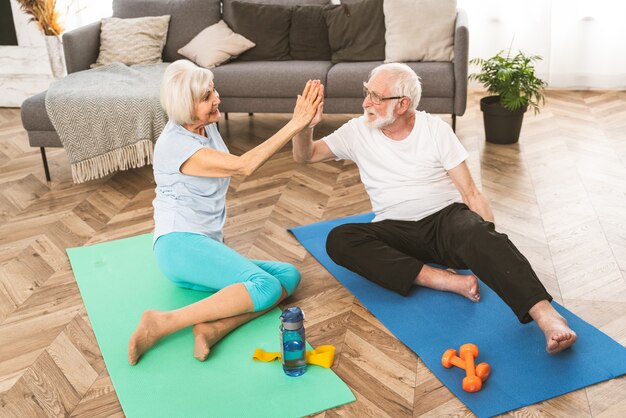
x=560 y=194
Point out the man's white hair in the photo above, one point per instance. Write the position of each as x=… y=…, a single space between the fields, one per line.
x=183 y=86
x=406 y=82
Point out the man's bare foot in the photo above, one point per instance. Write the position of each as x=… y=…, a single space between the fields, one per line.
x=449 y=281
x=465 y=285
x=150 y=329
x=559 y=336
x=206 y=335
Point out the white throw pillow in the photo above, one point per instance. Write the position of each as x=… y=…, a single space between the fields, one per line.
x=215 y=45
x=419 y=30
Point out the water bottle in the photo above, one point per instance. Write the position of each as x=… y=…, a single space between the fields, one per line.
x=292 y=342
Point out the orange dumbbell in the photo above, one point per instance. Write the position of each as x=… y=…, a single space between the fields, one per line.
x=471 y=382
x=450 y=359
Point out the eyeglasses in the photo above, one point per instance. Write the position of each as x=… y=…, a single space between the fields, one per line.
x=375 y=97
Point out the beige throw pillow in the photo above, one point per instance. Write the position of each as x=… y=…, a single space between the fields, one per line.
x=132 y=41
x=215 y=45
x=419 y=30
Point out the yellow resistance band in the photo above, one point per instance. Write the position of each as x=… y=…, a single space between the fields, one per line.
x=321 y=356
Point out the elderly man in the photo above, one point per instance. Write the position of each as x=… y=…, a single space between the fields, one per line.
x=427 y=207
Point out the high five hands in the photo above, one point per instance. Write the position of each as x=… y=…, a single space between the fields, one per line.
x=310 y=105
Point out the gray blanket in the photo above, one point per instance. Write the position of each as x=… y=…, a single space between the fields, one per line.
x=107 y=118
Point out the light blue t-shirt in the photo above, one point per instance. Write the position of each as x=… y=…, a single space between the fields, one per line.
x=186 y=203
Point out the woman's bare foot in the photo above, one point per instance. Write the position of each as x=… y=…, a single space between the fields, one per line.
x=559 y=336
x=206 y=335
x=449 y=281
x=151 y=328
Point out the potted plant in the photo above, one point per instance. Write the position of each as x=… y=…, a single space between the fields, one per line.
x=515 y=86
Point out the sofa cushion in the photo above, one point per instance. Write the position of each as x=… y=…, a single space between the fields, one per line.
x=215 y=45
x=267 y=25
x=346 y=79
x=308 y=35
x=34 y=114
x=356 y=32
x=419 y=30
x=188 y=18
x=132 y=41
x=267 y=78
x=227 y=5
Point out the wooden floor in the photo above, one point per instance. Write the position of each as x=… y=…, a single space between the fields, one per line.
x=560 y=194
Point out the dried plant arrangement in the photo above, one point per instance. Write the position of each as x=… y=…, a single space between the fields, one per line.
x=44 y=13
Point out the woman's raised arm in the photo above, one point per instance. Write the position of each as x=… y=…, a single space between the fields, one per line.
x=212 y=163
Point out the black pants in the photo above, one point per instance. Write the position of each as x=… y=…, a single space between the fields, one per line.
x=392 y=253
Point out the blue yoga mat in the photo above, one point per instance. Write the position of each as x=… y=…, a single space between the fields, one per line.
x=429 y=322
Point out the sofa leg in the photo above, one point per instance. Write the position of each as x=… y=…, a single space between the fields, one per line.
x=45 y=163
x=453 y=122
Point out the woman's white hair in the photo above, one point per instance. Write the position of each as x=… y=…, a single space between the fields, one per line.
x=406 y=82
x=182 y=88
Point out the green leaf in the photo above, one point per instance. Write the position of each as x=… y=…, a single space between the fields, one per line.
x=512 y=78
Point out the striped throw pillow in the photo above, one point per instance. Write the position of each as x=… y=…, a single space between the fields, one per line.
x=132 y=41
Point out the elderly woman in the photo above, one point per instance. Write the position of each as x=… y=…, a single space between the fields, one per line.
x=192 y=168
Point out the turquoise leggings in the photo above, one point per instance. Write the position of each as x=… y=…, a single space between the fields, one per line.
x=198 y=262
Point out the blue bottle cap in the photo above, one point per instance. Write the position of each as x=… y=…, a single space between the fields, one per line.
x=292 y=318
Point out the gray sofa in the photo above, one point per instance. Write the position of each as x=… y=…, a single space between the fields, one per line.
x=256 y=86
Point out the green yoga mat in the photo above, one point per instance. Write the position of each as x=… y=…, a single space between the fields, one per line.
x=118 y=280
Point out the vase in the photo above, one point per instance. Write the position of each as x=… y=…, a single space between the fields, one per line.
x=55 y=54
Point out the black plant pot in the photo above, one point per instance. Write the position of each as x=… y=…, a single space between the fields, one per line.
x=501 y=125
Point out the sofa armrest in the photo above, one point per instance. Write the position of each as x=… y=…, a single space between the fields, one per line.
x=461 y=51
x=81 y=47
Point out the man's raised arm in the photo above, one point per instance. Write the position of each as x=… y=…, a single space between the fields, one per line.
x=307 y=151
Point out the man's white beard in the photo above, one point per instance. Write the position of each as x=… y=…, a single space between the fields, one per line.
x=380 y=121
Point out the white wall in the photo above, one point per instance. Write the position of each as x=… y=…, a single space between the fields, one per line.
x=25 y=69
x=582 y=41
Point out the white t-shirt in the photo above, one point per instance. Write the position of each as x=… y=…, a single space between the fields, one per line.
x=407 y=179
